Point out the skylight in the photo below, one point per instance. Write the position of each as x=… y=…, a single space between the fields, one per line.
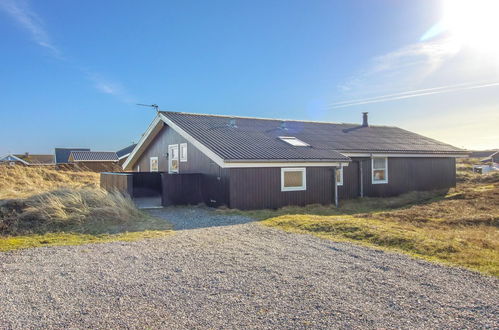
x=293 y=141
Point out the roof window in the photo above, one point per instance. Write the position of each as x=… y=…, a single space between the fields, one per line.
x=293 y=141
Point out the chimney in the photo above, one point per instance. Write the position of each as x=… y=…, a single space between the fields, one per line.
x=283 y=125
x=26 y=154
x=364 y=119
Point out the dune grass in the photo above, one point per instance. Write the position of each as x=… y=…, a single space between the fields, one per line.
x=42 y=206
x=458 y=227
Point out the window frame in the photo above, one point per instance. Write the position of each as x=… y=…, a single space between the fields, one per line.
x=340 y=171
x=374 y=181
x=150 y=164
x=303 y=170
x=182 y=146
x=286 y=138
x=170 y=147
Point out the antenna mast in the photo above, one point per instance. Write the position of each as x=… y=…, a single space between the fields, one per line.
x=155 y=106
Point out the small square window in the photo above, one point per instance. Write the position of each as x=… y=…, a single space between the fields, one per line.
x=293 y=141
x=379 y=170
x=293 y=179
x=183 y=152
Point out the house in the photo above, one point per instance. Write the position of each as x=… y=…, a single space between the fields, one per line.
x=97 y=161
x=481 y=154
x=124 y=153
x=12 y=160
x=37 y=159
x=253 y=163
x=62 y=154
x=492 y=158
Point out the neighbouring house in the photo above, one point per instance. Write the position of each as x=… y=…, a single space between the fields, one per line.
x=62 y=154
x=37 y=159
x=492 y=158
x=253 y=163
x=12 y=160
x=124 y=153
x=97 y=161
x=482 y=154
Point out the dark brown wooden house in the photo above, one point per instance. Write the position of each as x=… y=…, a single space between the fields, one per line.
x=252 y=163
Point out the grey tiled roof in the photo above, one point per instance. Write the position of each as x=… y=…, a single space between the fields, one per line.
x=93 y=156
x=62 y=154
x=481 y=153
x=258 y=139
x=125 y=151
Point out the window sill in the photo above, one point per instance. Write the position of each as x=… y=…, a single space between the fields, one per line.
x=293 y=189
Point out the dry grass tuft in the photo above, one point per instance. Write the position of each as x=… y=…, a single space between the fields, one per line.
x=40 y=205
x=459 y=227
x=21 y=182
x=65 y=209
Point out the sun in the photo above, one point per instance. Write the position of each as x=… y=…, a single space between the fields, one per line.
x=473 y=23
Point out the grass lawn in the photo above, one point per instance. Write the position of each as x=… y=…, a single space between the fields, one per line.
x=459 y=227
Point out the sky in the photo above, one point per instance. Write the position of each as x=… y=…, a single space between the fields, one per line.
x=72 y=71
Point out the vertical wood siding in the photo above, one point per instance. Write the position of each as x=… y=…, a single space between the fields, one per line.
x=215 y=179
x=120 y=182
x=404 y=175
x=259 y=188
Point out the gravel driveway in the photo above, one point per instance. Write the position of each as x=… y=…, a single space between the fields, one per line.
x=224 y=272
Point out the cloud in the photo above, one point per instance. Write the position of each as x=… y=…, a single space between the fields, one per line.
x=403 y=68
x=109 y=87
x=22 y=13
x=412 y=94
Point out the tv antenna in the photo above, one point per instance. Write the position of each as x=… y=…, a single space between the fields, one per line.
x=155 y=106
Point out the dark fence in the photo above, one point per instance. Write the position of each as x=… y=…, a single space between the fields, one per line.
x=122 y=182
x=182 y=189
x=146 y=184
x=136 y=184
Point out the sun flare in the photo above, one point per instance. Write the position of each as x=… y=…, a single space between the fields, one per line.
x=473 y=23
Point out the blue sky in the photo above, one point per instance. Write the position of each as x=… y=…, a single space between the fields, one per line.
x=72 y=71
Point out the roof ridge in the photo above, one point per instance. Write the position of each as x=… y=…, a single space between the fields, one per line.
x=271 y=119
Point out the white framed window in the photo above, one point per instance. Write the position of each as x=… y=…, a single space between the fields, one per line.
x=293 y=141
x=379 y=166
x=339 y=176
x=293 y=179
x=153 y=164
x=173 y=158
x=183 y=152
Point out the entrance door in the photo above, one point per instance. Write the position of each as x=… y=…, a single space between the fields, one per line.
x=173 y=158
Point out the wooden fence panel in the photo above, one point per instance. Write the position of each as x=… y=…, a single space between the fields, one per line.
x=182 y=189
x=122 y=182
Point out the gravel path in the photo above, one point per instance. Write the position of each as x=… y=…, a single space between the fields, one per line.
x=236 y=276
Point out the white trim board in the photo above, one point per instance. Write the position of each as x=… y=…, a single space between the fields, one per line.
x=210 y=154
x=213 y=156
x=303 y=172
x=283 y=164
x=16 y=159
x=387 y=154
x=227 y=164
x=153 y=128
